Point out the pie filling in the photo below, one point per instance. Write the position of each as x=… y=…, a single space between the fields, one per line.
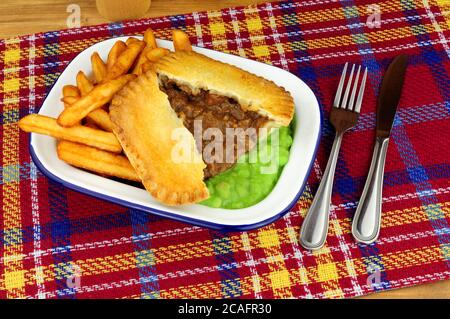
x=214 y=112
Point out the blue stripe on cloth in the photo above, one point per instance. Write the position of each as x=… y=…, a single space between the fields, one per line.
x=305 y=70
x=406 y=149
x=330 y=70
x=409 y=116
x=77 y=226
x=420 y=178
x=115 y=29
x=372 y=260
x=178 y=22
x=60 y=234
x=346 y=185
x=230 y=279
x=432 y=58
x=10 y=116
x=51 y=59
x=10 y=173
x=145 y=257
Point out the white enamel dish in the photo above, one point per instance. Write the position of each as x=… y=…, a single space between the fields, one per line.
x=276 y=204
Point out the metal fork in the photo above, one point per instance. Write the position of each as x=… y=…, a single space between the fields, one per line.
x=344 y=115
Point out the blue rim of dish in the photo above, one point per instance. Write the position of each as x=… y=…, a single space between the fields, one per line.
x=163 y=213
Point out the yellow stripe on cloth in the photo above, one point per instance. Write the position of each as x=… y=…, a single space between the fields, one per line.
x=217 y=28
x=392 y=218
x=327 y=273
x=346 y=40
x=275 y=280
x=14 y=274
x=73 y=46
x=199 y=249
x=445 y=9
x=255 y=27
x=323 y=273
x=269 y=241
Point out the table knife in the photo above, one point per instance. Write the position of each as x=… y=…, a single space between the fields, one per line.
x=366 y=223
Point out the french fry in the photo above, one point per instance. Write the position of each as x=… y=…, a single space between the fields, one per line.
x=114 y=53
x=149 y=38
x=125 y=60
x=101 y=118
x=69 y=100
x=96 y=160
x=156 y=54
x=141 y=60
x=98 y=116
x=48 y=126
x=131 y=40
x=98 y=67
x=71 y=92
x=181 y=41
x=83 y=83
x=146 y=67
x=99 y=96
x=91 y=124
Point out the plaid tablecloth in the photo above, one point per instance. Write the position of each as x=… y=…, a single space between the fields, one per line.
x=57 y=243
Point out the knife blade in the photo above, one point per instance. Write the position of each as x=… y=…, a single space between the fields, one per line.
x=367 y=220
x=389 y=95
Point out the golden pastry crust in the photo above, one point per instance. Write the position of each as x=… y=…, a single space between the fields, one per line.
x=145 y=124
x=252 y=92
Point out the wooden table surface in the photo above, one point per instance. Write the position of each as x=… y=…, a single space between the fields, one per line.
x=19 y=17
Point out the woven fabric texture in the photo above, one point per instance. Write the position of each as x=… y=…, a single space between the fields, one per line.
x=49 y=233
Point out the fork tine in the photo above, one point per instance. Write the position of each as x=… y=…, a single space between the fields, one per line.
x=347 y=89
x=355 y=85
x=361 y=92
x=337 y=98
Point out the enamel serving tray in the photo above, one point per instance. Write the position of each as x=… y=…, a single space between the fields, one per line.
x=276 y=204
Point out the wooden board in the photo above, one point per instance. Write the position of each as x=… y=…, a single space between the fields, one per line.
x=19 y=17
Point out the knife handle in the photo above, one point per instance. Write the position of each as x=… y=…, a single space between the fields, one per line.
x=366 y=223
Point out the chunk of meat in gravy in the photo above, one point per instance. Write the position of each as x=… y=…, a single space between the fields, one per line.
x=214 y=99
x=214 y=111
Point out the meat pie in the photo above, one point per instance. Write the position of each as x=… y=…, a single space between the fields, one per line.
x=156 y=111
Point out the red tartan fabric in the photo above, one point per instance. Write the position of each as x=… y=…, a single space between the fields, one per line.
x=50 y=235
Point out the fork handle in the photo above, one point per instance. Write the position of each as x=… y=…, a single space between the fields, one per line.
x=315 y=226
x=366 y=223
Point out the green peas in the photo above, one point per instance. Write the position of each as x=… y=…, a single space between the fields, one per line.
x=212 y=201
x=286 y=141
x=216 y=202
x=243 y=170
x=284 y=131
x=223 y=189
x=283 y=157
x=237 y=205
x=255 y=188
x=210 y=188
x=242 y=191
